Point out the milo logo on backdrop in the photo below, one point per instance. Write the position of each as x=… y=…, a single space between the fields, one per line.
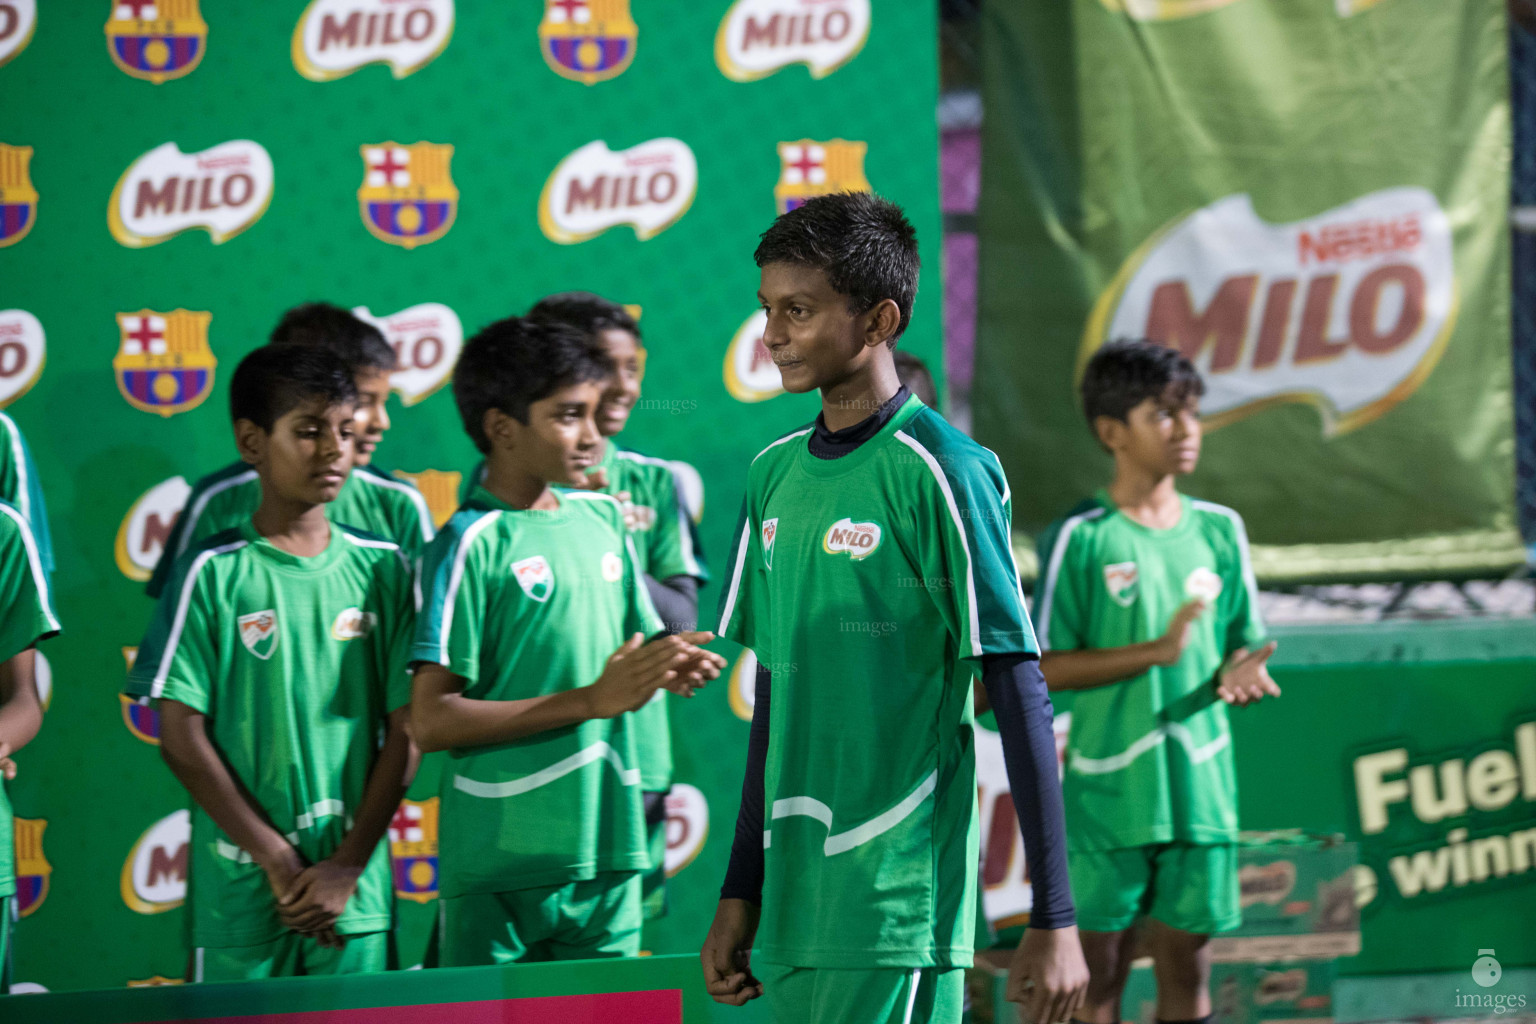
x=649 y=187
x=1347 y=311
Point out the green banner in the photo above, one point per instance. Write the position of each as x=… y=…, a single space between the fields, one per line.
x=1306 y=197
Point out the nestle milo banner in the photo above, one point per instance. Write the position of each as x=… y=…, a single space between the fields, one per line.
x=1264 y=186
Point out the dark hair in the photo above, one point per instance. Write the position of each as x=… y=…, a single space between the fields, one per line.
x=585 y=311
x=1123 y=374
x=864 y=244
x=515 y=362
x=322 y=325
x=913 y=372
x=276 y=379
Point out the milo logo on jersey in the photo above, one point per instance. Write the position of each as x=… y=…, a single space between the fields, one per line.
x=336 y=37
x=588 y=41
x=808 y=169
x=18 y=199
x=687 y=826
x=857 y=540
x=163 y=363
x=758 y=37
x=1347 y=311
x=535 y=577
x=147 y=526
x=1202 y=584
x=154 y=875
x=17 y=20
x=750 y=372
x=23 y=346
x=32 y=867
x=427 y=339
x=408 y=197
x=413 y=849
x=223 y=190
x=439 y=488
x=649 y=187
x=353 y=624
x=258 y=632
x=156 y=40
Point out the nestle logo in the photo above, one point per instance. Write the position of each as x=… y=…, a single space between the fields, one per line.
x=217 y=163
x=648 y=160
x=1359 y=239
x=413 y=325
x=10 y=328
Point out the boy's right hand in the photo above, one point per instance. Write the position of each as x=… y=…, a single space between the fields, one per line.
x=1175 y=639
x=635 y=672
x=282 y=866
x=727 y=953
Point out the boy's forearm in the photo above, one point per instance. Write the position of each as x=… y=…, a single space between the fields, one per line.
x=449 y=720
x=1087 y=669
x=391 y=776
x=21 y=714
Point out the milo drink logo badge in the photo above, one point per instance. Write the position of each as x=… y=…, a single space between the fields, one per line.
x=857 y=540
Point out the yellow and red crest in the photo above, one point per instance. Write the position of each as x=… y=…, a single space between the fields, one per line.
x=163 y=363
x=18 y=199
x=588 y=41
x=32 y=868
x=408 y=197
x=156 y=40
x=808 y=168
x=439 y=487
x=413 y=849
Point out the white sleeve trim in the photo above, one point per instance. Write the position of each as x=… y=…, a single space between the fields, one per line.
x=19 y=456
x=423 y=514
x=973 y=625
x=195 y=511
x=735 y=588
x=456 y=577
x=34 y=563
x=1053 y=570
x=786 y=437
x=179 y=621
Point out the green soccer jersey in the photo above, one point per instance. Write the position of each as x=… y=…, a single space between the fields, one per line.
x=19 y=487
x=296 y=663
x=26 y=616
x=870 y=586
x=1149 y=760
x=370 y=500
x=523 y=604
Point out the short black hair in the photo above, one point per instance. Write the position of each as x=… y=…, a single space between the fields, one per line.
x=864 y=244
x=276 y=379
x=515 y=362
x=322 y=325
x=1125 y=373
x=585 y=311
x=913 y=373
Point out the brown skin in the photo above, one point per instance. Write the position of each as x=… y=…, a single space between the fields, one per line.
x=372 y=414
x=21 y=712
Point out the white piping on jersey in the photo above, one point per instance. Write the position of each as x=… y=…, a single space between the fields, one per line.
x=786 y=437
x=318 y=810
x=684 y=524
x=306 y=820
x=741 y=557
x=857 y=836
x=195 y=513
x=179 y=621
x=1198 y=754
x=1243 y=554
x=456 y=577
x=423 y=514
x=197 y=971
x=35 y=563
x=590 y=496
x=19 y=456
x=973 y=626
x=1018 y=580
x=917 y=973
x=1048 y=589
x=369 y=542
x=599 y=751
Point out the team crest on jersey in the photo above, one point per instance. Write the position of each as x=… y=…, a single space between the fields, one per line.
x=535 y=577
x=649 y=187
x=163 y=363
x=141 y=719
x=353 y=623
x=427 y=339
x=1121 y=580
x=223 y=190
x=142 y=535
x=336 y=37
x=413 y=849
x=1202 y=584
x=588 y=41
x=808 y=168
x=258 y=631
x=758 y=37
x=439 y=488
x=18 y=199
x=857 y=540
x=17 y=20
x=613 y=567
x=770 y=532
x=23 y=346
x=750 y=372
x=156 y=40
x=32 y=867
x=154 y=875
x=408 y=197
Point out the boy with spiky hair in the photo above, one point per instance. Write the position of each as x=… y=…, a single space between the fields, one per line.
x=1148 y=610
x=370 y=500
x=277 y=656
x=874 y=579
x=527 y=657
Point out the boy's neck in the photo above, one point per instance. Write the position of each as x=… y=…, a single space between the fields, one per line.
x=296 y=527
x=1148 y=498
x=516 y=487
x=857 y=397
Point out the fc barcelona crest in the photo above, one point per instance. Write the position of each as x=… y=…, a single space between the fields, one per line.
x=156 y=40
x=32 y=868
x=413 y=849
x=18 y=199
x=588 y=41
x=408 y=197
x=808 y=169
x=163 y=363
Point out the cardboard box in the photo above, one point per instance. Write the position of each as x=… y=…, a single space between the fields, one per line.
x=1246 y=993
x=1298 y=899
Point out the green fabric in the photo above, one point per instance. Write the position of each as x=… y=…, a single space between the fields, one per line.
x=884 y=578
x=1186 y=886
x=588 y=920
x=291 y=955
x=7 y=954
x=1149 y=760
x=370 y=500
x=26 y=616
x=816 y=995
x=20 y=487
x=523 y=604
x=296 y=662
x=653 y=887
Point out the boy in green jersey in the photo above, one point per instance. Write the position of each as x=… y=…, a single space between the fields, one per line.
x=370 y=500
x=873 y=578
x=527 y=657
x=277 y=656
x=1148 y=609
x=26 y=617
x=19 y=487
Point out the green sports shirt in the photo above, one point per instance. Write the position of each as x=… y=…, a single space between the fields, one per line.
x=19 y=487
x=523 y=604
x=1149 y=759
x=296 y=662
x=871 y=586
x=370 y=500
x=26 y=616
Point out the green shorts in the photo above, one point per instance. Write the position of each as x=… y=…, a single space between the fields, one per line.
x=576 y=921
x=882 y=995
x=1192 y=888
x=289 y=956
x=653 y=885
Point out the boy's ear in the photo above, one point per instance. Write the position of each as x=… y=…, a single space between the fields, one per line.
x=1109 y=431
x=251 y=441
x=882 y=323
x=500 y=429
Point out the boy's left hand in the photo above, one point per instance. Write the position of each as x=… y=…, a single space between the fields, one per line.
x=1245 y=678
x=698 y=670
x=317 y=896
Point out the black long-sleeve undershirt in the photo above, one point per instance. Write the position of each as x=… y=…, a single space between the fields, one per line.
x=677 y=601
